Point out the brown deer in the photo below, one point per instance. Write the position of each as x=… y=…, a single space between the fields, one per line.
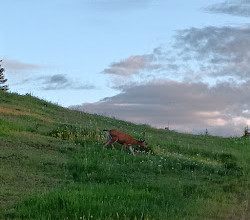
x=122 y=138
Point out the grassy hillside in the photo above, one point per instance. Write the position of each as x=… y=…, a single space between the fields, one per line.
x=52 y=166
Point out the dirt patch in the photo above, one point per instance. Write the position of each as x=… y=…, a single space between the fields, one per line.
x=22 y=111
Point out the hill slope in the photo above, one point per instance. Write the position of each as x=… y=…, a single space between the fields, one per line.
x=52 y=167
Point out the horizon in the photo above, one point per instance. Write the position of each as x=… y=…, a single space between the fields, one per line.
x=149 y=62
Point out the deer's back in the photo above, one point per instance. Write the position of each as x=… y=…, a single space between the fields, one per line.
x=122 y=136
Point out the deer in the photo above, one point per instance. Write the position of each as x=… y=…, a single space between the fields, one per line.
x=122 y=138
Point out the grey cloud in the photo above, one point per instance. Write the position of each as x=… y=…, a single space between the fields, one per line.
x=236 y=8
x=173 y=66
x=217 y=51
x=14 y=65
x=18 y=71
x=59 y=78
x=213 y=52
x=187 y=106
x=60 y=81
x=133 y=65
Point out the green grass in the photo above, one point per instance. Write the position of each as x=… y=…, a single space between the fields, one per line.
x=52 y=166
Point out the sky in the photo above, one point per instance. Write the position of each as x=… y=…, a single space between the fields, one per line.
x=182 y=64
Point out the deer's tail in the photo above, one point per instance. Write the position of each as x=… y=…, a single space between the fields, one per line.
x=108 y=135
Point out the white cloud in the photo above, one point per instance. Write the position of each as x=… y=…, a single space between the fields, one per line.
x=189 y=107
x=216 y=51
x=132 y=65
x=15 y=65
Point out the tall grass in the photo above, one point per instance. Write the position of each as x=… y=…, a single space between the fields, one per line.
x=111 y=185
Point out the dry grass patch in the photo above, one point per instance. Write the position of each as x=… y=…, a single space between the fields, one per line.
x=22 y=111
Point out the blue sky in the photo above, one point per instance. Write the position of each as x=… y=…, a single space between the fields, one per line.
x=91 y=52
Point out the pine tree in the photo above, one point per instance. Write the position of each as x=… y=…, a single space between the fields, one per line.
x=247 y=132
x=2 y=79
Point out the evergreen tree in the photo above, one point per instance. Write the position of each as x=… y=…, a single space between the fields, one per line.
x=247 y=132
x=2 y=79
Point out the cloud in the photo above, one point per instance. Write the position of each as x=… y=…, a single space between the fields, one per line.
x=217 y=55
x=189 y=107
x=215 y=51
x=133 y=65
x=233 y=7
x=60 y=82
x=14 y=65
x=209 y=53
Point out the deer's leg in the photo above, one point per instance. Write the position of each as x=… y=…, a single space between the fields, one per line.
x=131 y=149
x=105 y=144
x=123 y=147
x=113 y=140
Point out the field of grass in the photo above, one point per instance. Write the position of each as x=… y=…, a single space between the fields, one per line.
x=52 y=166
